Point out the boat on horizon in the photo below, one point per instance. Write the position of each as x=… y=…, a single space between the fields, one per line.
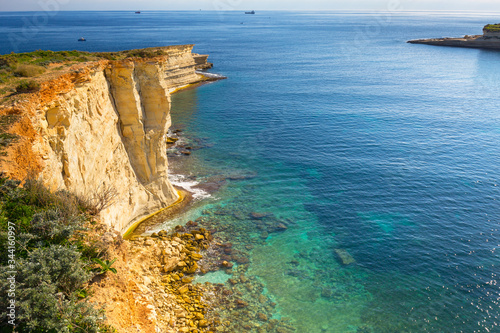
x=251 y=12
x=81 y=39
x=138 y=12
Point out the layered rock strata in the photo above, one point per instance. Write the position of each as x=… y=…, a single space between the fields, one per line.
x=100 y=130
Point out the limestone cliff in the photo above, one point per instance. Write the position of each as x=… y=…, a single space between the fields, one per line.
x=100 y=129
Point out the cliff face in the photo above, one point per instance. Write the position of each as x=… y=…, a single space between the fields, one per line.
x=101 y=131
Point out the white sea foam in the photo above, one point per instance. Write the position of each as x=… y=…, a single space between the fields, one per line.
x=210 y=75
x=188 y=185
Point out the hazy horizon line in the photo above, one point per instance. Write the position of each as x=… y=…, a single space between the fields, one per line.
x=262 y=10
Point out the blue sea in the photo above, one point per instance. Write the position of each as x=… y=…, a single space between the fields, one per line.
x=360 y=144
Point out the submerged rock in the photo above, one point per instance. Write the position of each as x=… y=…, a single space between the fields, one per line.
x=241 y=259
x=257 y=216
x=191 y=224
x=298 y=273
x=239 y=215
x=344 y=256
x=187 y=279
x=279 y=227
x=226 y=264
x=241 y=303
x=262 y=317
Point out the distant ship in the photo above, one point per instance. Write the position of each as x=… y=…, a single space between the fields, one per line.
x=252 y=12
x=138 y=12
x=81 y=39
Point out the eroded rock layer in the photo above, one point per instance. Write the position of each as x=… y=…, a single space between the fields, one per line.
x=101 y=130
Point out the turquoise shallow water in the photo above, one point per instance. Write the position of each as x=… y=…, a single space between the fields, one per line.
x=354 y=140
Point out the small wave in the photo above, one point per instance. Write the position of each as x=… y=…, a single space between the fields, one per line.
x=188 y=185
x=211 y=75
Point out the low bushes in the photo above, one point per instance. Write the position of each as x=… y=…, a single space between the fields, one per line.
x=492 y=27
x=54 y=261
x=27 y=86
x=26 y=70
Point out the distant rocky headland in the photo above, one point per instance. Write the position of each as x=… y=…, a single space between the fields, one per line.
x=490 y=39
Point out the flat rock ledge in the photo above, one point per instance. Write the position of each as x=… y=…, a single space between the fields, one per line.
x=478 y=42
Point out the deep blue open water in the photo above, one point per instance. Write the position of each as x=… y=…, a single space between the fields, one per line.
x=358 y=141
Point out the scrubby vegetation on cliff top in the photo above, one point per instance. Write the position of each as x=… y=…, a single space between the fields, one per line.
x=492 y=27
x=22 y=73
x=35 y=63
x=53 y=260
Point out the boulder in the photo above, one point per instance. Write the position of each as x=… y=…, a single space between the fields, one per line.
x=171 y=140
x=262 y=317
x=183 y=289
x=196 y=256
x=187 y=279
x=257 y=216
x=226 y=264
x=281 y=227
x=344 y=256
x=191 y=224
x=241 y=303
x=170 y=264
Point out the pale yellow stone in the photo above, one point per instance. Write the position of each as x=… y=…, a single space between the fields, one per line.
x=109 y=131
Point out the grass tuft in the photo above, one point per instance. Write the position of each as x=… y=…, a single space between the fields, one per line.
x=26 y=70
x=27 y=87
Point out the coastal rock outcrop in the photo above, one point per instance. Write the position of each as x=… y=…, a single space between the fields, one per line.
x=490 y=39
x=100 y=131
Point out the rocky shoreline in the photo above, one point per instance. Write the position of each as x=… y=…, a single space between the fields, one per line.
x=490 y=39
x=154 y=288
x=163 y=268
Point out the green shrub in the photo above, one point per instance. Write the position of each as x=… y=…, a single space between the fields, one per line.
x=492 y=27
x=38 y=195
x=105 y=266
x=108 y=56
x=47 y=286
x=6 y=139
x=5 y=75
x=26 y=70
x=53 y=261
x=82 y=59
x=28 y=86
x=143 y=53
x=7 y=63
x=49 y=226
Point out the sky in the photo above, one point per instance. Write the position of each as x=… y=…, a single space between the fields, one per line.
x=367 y=5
